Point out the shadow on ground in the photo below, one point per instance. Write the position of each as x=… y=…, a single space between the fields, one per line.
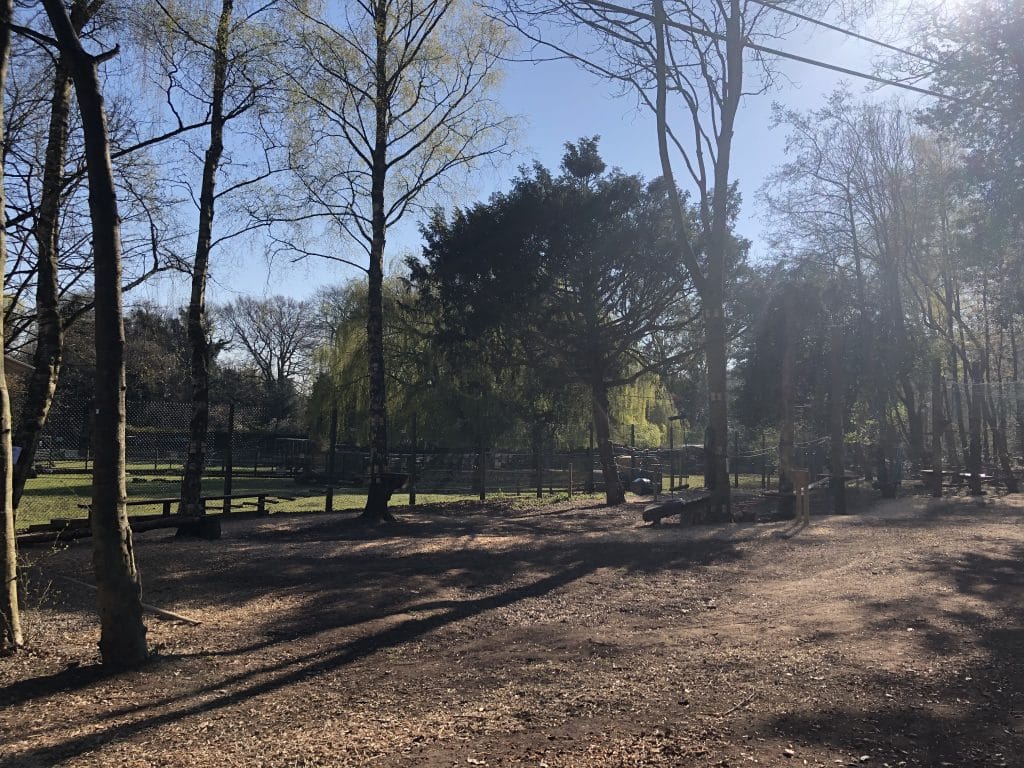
x=375 y=588
x=953 y=712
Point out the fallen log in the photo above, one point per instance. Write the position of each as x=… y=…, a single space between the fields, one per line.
x=655 y=513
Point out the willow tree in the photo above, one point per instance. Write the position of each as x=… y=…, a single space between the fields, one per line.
x=123 y=634
x=394 y=99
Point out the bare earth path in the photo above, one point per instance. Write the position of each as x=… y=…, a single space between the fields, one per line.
x=565 y=635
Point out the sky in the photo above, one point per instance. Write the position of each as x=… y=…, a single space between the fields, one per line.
x=558 y=102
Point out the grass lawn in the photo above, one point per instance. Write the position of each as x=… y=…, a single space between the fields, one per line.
x=61 y=495
x=51 y=496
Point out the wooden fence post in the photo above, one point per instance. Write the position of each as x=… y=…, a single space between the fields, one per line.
x=229 y=458
x=412 y=464
x=329 y=499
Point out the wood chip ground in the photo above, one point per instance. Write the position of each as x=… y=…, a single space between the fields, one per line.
x=566 y=634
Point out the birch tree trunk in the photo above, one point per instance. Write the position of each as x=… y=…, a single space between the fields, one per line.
x=377 y=497
x=196 y=325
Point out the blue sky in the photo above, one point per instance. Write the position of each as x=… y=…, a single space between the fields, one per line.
x=557 y=103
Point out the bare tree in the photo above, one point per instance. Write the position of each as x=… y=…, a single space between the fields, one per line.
x=10 y=618
x=395 y=99
x=123 y=634
x=51 y=225
x=280 y=335
x=218 y=56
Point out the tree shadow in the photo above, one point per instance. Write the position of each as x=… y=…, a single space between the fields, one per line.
x=966 y=708
x=401 y=594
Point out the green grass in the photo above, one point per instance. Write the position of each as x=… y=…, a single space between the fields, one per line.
x=50 y=496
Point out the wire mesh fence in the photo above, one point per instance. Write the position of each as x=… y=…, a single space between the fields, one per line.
x=256 y=461
x=250 y=454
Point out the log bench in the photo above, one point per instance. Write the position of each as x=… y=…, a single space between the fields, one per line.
x=694 y=505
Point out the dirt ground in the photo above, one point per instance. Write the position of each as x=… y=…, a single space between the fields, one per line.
x=562 y=635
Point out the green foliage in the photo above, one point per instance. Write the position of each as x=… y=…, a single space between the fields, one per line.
x=575 y=273
x=978 y=50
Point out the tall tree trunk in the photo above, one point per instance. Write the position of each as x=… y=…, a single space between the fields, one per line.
x=915 y=423
x=786 y=426
x=10 y=615
x=613 y=491
x=537 y=446
x=837 y=418
x=714 y=293
x=710 y=280
x=718 y=419
x=377 y=497
x=123 y=634
x=196 y=325
x=967 y=392
x=939 y=422
x=1018 y=400
x=975 y=426
x=956 y=414
x=999 y=443
x=878 y=399
x=49 y=347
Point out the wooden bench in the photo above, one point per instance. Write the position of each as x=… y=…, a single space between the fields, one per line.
x=260 y=503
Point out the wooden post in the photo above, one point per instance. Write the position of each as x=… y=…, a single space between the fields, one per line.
x=735 y=459
x=590 y=458
x=167 y=509
x=229 y=460
x=482 y=460
x=329 y=499
x=261 y=504
x=671 y=457
x=764 y=463
x=570 y=475
x=632 y=453
x=938 y=428
x=412 y=465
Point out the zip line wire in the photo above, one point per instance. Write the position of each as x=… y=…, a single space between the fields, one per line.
x=701 y=32
x=847 y=32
